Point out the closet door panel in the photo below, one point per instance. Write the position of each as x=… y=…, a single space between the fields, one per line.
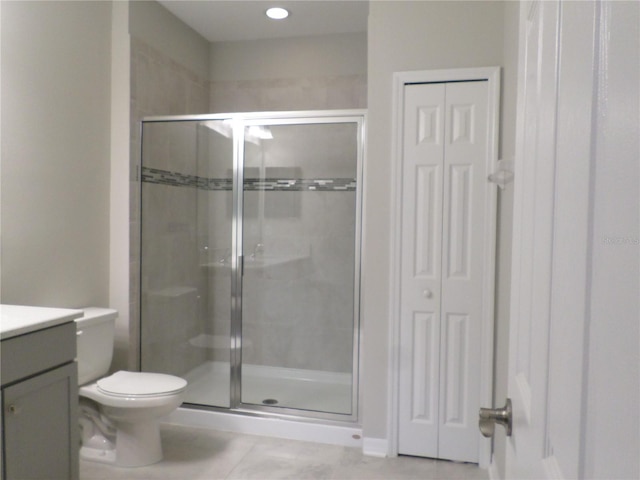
x=443 y=220
x=465 y=181
x=421 y=269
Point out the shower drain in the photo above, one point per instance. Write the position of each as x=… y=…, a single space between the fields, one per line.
x=270 y=401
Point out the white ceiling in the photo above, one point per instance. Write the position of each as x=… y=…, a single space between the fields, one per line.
x=232 y=20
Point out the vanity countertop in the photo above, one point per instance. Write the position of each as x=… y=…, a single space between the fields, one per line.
x=17 y=319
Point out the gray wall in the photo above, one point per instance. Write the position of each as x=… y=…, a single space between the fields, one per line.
x=55 y=153
x=314 y=56
x=407 y=36
x=159 y=28
x=302 y=73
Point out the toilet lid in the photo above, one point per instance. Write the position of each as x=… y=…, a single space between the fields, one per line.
x=136 y=384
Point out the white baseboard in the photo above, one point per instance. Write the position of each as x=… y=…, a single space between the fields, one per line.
x=375 y=447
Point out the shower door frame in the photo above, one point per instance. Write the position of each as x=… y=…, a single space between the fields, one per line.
x=239 y=121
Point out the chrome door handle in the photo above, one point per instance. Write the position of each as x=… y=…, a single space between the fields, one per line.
x=490 y=416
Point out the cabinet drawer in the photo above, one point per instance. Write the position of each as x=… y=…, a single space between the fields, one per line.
x=29 y=354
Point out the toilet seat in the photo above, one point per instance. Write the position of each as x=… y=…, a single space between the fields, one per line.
x=140 y=384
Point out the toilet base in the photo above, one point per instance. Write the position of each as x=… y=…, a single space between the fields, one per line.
x=137 y=445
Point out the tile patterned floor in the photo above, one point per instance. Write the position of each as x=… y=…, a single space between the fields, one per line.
x=201 y=454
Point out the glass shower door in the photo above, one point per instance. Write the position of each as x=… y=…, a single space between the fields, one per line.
x=249 y=259
x=216 y=223
x=186 y=259
x=299 y=256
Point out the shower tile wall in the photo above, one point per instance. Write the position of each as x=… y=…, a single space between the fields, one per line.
x=298 y=314
x=310 y=328
x=301 y=315
x=295 y=315
x=161 y=86
x=319 y=93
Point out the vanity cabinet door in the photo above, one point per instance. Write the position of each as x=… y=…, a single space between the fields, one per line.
x=41 y=426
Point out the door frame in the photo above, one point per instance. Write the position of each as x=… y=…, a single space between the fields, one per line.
x=400 y=80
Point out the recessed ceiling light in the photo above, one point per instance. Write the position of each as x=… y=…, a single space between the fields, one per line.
x=277 y=13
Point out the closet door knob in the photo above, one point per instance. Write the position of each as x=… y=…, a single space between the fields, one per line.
x=427 y=293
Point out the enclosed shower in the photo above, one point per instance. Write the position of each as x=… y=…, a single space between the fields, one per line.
x=250 y=254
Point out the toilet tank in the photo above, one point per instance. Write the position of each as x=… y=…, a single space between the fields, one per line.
x=95 y=334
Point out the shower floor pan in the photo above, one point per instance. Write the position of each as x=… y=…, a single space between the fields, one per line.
x=209 y=384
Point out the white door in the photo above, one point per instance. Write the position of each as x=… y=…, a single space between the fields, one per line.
x=550 y=239
x=532 y=235
x=445 y=151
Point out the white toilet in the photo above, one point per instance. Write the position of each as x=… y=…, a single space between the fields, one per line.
x=119 y=414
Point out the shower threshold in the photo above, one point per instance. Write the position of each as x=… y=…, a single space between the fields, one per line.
x=311 y=390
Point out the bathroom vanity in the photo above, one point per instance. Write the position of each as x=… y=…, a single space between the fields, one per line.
x=39 y=393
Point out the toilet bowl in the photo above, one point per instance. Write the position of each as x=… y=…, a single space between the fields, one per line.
x=120 y=413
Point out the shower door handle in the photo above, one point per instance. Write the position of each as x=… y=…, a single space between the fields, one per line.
x=241 y=265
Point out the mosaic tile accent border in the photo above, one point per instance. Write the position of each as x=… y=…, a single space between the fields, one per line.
x=165 y=177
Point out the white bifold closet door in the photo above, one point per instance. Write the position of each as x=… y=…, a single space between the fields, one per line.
x=443 y=217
